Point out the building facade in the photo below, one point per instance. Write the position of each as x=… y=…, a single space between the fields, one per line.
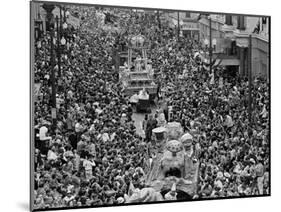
x=39 y=20
x=231 y=42
x=190 y=26
x=185 y=22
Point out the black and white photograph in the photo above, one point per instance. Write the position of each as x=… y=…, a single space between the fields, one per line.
x=134 y=105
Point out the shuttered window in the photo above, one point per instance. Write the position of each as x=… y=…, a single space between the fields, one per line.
x=228 y=19
x=241 y=22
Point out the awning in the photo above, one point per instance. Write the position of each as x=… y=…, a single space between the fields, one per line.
x=230 y=62
x=223 y=62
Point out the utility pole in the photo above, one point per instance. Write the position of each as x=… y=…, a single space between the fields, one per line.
x=64 y=17
x=250 y=82
x=60 y=18
x=49 y=8
x=58 y=46
x=53 y=80
x=210 y=42
x=178 y=26
x=158 y=19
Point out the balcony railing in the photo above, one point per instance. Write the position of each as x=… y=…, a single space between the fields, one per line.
x=225 y=56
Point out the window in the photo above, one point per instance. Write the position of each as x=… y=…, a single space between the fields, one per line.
x=233 y=50
x=187 y=15
x=228 y=19
x=241 y=22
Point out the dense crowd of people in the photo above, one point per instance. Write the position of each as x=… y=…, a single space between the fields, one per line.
x=93 y=154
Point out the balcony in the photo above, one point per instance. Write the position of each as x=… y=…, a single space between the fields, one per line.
x=218 y=18
x=241 y=33
x=225 y=56
x=228 y=28
x=227 y=59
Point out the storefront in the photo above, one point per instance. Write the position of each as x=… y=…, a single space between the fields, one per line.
x=190 y=30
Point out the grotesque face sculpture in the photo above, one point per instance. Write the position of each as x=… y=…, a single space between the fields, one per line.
x=172 y=163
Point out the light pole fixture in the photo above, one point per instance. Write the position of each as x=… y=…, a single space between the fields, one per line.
x=63 y=41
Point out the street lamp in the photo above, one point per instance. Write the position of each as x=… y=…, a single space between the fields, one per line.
x=63 y=41
x=58 y=44
x=250 y=82
x=210 y=48
x=178 y=34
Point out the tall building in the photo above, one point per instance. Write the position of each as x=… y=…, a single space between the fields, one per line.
x=231 y=42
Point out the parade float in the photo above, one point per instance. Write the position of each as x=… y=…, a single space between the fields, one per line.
x=137 y=74
x=175 y=164
x=174 y=169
